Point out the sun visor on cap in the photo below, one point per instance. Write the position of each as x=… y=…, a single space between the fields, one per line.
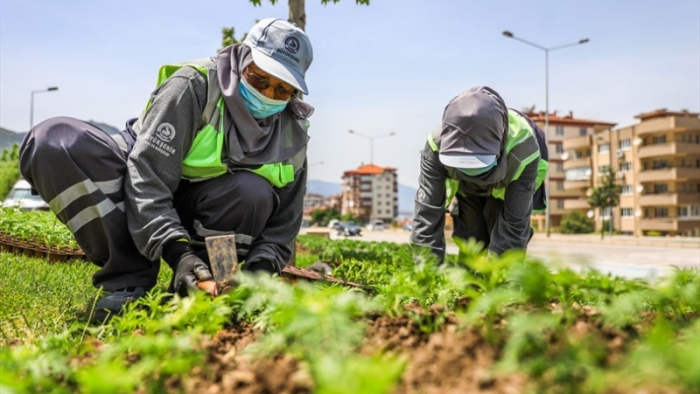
x=467 y=161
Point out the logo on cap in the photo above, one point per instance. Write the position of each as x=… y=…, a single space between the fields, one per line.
x=292 y=44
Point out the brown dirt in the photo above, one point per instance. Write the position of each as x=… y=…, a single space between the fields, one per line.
x=448 y=361
x=230 y=371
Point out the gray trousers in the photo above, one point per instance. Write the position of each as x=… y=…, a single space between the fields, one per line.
x=80 y=170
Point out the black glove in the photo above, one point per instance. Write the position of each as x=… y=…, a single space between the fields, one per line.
x=188 y=269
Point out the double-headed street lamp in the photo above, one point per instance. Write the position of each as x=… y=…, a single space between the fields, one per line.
x=546 y=94
x=371 y=142
x=31 y=108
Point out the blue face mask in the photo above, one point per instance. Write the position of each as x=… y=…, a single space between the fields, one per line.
x=259 y=105
x=477 y=171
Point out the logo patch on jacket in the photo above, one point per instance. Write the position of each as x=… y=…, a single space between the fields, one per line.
x=166 y=132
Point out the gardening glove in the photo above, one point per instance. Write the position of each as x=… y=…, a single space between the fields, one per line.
x=188 y=269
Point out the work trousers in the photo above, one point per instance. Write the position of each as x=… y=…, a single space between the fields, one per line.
x=476 y=217
x=80 y=170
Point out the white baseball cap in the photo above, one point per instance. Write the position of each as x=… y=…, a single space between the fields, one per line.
x=282 y=49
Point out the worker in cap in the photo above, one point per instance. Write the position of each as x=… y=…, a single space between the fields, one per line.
x=219 y=149
x=486 y=164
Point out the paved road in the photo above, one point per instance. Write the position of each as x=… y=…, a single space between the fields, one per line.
x=630 y=261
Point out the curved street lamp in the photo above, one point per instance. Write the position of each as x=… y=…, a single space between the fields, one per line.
x=546 y=50
x=31 y=108
x=371 y=142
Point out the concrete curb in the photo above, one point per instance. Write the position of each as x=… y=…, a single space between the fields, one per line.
x=690 y=243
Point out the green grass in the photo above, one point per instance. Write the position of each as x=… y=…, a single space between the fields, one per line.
x=522 y=309
x=38 y=298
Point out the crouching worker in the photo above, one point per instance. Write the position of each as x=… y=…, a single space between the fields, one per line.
x=487 y=157
x=220 y=149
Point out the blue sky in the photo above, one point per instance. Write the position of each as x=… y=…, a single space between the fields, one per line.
x=388 y=67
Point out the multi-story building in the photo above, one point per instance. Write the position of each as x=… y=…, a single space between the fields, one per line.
x=313 y=200
x=568 y=180
x=371 y=193
x=657 y=165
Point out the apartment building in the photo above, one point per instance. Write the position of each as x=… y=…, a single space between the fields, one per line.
x=566 y=193
x=657 y=165
x=370 y=192
x=313 y=200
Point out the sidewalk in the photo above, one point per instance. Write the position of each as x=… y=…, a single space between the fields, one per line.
x=398 y=235
x=674 y=242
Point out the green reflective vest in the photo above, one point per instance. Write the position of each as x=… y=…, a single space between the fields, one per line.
x=521 y=148
x=203 y=160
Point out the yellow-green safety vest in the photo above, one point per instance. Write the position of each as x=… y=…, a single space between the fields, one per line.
x=203 y=160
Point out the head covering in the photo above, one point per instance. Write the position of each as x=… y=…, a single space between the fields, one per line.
x=474 y=127
x=251 y=141
x=281 y=49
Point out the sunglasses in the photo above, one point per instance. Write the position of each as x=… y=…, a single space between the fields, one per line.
x=262 y=83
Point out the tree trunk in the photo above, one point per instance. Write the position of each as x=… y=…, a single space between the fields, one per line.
x=602 y=224
x=297 y=13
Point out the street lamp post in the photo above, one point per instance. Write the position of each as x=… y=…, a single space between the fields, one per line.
x=31 y=108
x=546 y=110
x=371 y=142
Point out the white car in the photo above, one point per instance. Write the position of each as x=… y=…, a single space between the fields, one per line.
x=21 y=196
x=376 y=225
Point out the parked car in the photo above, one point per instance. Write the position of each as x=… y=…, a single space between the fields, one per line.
x=407 y=227
x=376 y=225
x=334 y=224
x=21 y=196
x=349 y=229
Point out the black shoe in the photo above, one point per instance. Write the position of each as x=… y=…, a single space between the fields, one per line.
x=112 y=303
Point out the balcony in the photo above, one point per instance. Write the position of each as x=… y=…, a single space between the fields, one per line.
x=669 y=174
x=662 y=124
x=577 y=184
x=668 y=199
x=659 y=224
x=580 y=203
x=577 y=142
x=576 y=163
x=672 y=149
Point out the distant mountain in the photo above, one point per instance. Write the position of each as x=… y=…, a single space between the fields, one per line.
x=9 y=137
x=407 y=194
x=104 y=126
x=323 y=188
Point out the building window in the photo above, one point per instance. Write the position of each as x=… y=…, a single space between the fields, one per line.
x=560 y=185
x=628 y=233
x=606 y=213
x=659 y=164
x=577 y=174
x=560 y=167
x=560 y=204
x=582 y=131
x=603 y=170
x=626 y=166
x=626 y=189
x=689 y=211
x=625 y=144
x=626 y=212
x=659 y=139
x=661 y=212
x=559 y=148
x=660 y=188
x=603 y=148
x=559 y=130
